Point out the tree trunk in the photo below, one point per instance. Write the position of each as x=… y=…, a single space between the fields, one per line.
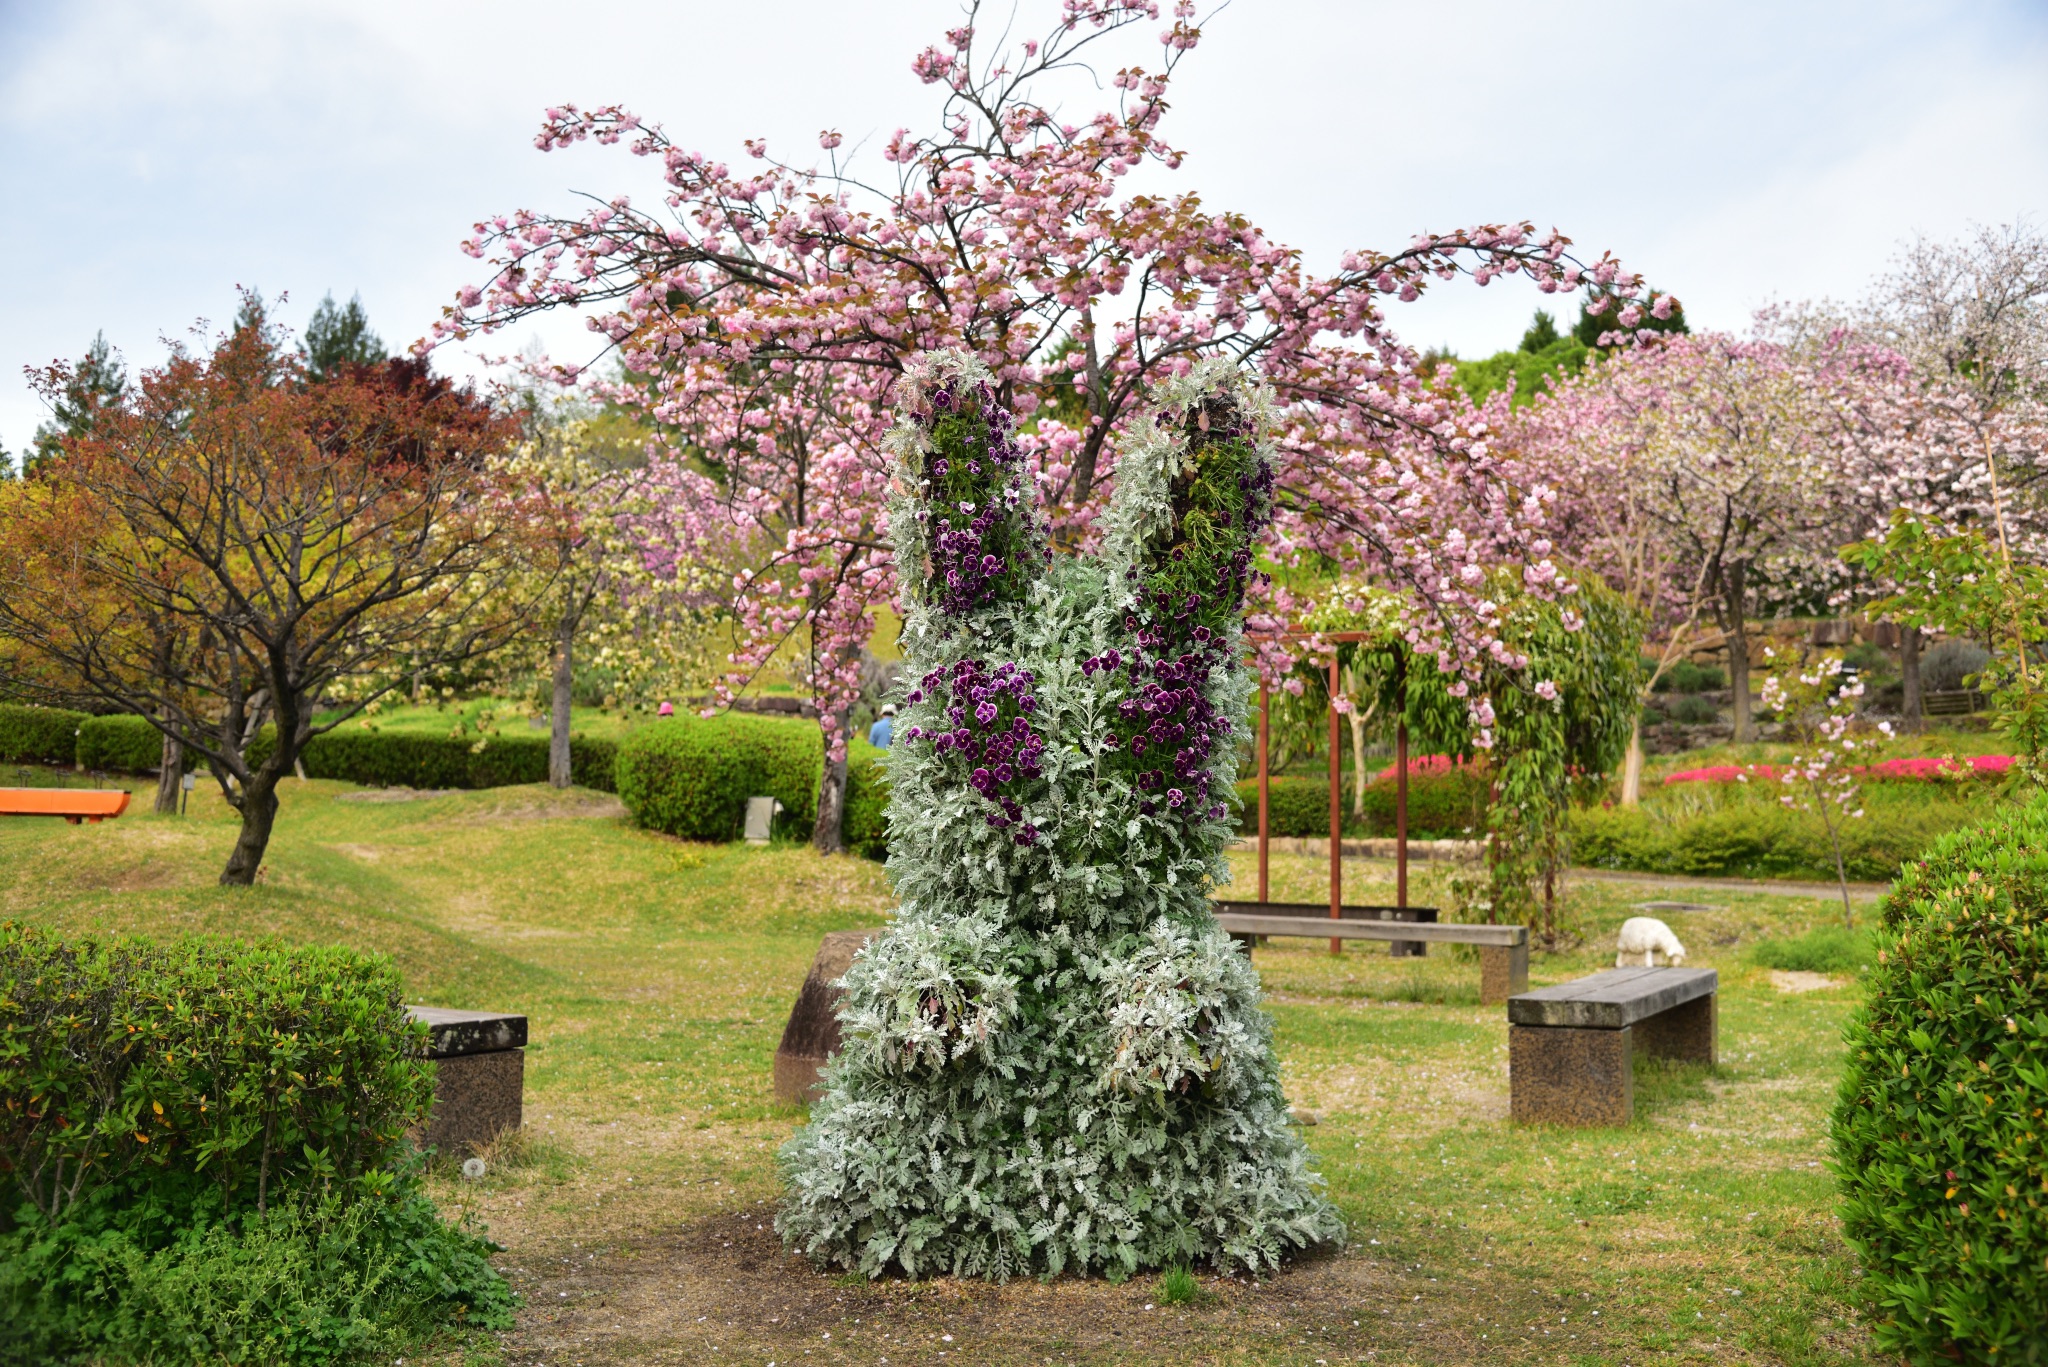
x=828 y=832
x=1738 y=654
x=1909 y=678
x=1357 y=764
x=170 y=776
x=1632 y=763
x=259 y=813
x=558 y=733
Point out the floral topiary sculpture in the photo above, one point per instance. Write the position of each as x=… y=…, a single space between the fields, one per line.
x=1055 y=1060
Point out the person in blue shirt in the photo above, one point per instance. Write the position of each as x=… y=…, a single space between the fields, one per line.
x=884 y=729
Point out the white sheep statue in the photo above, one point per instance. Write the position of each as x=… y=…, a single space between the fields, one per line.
x=1649 y=937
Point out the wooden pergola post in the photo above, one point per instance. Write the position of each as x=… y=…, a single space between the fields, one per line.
x=1401 y=793
x=1337 y=788
x=1336 y=813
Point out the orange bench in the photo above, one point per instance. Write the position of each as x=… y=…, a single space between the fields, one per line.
x=73 y=804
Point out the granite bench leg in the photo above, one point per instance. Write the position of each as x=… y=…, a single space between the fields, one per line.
x=1408 y=949
x=1685 y=1032
x=1559 y=1075
x=1503 y=972
x=477 y=1097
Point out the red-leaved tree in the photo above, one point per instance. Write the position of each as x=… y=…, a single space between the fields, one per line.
x=230 y=544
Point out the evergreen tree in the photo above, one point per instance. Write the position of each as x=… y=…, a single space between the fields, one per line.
x=1055 y=1060
x=340 y=336
x=1542 y=333
x=95 y=382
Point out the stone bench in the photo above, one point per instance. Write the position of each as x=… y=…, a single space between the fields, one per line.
x=1503 y=950
x=1571 y=1048
x=479 y=1075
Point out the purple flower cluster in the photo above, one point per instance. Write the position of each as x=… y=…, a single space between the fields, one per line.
x=1173 y=728
x=990 y=736
x=1187 y=600
x=981 y=541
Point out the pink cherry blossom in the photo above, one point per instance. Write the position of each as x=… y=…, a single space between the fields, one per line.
x=764 y=318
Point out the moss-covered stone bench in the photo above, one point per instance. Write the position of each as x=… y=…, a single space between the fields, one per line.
x=1571 y=1048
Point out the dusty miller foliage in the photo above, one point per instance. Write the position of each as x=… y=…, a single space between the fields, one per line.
x=1055 y=1061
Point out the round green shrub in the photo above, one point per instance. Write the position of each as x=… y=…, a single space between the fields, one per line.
x=692 y=776
x=1941 y=1141
x=204 y=1157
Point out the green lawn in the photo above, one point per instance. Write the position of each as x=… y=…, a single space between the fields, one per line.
x=508 y=716
x=658 y=974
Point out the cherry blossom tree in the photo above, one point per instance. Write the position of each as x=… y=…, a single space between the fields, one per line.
x=1971 y=319
x=767 y=311
x=602 y=596
x=1818 y=701
x=1703 y=477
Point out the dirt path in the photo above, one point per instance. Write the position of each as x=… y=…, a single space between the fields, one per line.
x=723 y=1290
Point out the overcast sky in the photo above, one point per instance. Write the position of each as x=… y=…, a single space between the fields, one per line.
x=155 y=155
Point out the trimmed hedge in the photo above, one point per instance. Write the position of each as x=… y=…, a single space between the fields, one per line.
x=385 y=759
x=1939 y=1138
x=692 y=776
x=412 y=759
x=39 y=735
x=1761 y=839
x=1441 y=806
x=52 y=735
x=171 y=1111
x=867 y=806
x=127 y=743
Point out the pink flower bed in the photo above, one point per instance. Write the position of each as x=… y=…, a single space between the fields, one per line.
x=1920 y=769
x=1723 y=773
x=1426 y=764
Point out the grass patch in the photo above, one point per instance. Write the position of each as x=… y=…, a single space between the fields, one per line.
x=1177 y=1286
x=1824 y=949
x=657 y=976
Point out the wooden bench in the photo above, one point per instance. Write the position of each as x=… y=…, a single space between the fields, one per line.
x=479 y=1075
x=1503 y=950
x=1571 y=1047
x=73 y=804
x=1348 y=912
